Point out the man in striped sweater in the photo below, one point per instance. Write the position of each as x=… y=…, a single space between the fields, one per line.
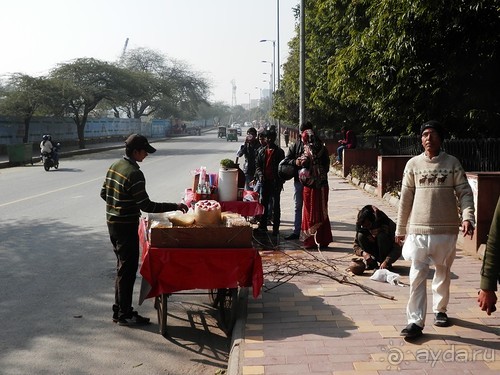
x=124 y=191
x=433 y=183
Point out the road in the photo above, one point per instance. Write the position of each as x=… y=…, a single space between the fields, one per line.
x=57 y=272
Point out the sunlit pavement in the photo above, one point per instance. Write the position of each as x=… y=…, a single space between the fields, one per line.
x=314 y=324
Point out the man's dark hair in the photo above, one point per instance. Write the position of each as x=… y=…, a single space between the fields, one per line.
x=271 y=135
x=366 y=213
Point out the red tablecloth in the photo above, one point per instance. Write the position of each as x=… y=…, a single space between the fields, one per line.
x=169 y=270
x=244 y=208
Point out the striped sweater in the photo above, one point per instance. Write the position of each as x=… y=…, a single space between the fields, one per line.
x=124 y=191
x=431 y=191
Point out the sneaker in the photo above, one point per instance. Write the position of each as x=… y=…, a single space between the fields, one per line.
x=293 y=236
x=441 y=320
x=134 y=319
x=411 y=331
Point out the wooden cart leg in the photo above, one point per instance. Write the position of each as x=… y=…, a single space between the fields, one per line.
x=161 y=310
x=226 y=302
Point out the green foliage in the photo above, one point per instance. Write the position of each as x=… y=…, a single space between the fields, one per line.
x=394 y=189
x=365 y=174
x=83 y=84
x=228 y=163
x=385 y=67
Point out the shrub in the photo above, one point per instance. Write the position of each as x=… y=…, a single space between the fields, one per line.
x=394 y=188
x=365 y=174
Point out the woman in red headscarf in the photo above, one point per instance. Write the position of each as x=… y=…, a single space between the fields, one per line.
x=316 y=230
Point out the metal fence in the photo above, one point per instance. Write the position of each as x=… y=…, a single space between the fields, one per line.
x=480 y=155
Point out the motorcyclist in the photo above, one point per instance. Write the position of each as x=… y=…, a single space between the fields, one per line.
x=47 y=146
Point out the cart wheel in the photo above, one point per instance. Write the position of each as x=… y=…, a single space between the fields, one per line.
x=212 y=296
x=226 y=302
x=161 y=310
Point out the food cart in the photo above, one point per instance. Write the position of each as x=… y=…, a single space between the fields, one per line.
x=187 y=259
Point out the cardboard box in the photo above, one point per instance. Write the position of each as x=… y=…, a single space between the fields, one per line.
x=207 y=237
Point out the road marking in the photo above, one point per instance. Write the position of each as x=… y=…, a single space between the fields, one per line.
x=50 y=192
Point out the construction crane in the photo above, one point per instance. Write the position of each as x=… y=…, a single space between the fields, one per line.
x=124 y=50
x=233 y=99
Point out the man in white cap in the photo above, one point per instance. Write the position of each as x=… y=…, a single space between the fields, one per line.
x=124 y=191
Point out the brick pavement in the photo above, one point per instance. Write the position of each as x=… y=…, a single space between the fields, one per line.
x=315 y=325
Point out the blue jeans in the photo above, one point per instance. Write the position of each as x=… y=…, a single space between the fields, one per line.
x=298 y=198
x=340 y=150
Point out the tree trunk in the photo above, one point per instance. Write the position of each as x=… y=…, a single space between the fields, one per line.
x=80 y=129
x=27 y=121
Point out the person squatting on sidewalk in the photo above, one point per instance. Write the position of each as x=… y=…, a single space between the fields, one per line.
x=433 y=183
x=374 y=241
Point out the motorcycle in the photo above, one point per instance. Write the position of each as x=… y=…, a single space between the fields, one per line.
x=51 y=159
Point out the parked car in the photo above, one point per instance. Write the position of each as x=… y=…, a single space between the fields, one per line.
x=237 y=127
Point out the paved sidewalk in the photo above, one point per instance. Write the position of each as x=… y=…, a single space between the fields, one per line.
x=313 y=324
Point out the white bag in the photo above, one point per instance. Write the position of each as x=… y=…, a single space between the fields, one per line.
x=384 y=275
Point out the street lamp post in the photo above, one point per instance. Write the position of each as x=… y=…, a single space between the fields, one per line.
x=260 y=94
x=271 y=84
x=272 y=72
x=274 y=58
x=247 y=93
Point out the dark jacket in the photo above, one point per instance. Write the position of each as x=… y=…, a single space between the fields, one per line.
x=381 y=224
x=490 y=271
x=294 y=151
x=260 y=162
x=249 y=150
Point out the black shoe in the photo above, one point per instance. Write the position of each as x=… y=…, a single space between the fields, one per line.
x=132 y=319
x=276 y=232
x=293 y=236
x=371 y=264
x=441 y=320
x=262 y=229
x=411 y=331
x=116 y=309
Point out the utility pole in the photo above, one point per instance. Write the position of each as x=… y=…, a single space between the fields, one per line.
x=233 y=99
x=302 y=63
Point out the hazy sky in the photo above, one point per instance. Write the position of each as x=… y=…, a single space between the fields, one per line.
x=219 y=38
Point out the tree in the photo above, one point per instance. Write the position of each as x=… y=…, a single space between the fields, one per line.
x=24 y=96
x=83 y=84
x=159 y=86
x=218 y=112
x=388 y=66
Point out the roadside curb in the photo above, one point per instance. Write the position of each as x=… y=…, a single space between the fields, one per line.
x=372 y=190
x=238 y=334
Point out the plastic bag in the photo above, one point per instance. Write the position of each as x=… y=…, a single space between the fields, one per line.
x=384 y=275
